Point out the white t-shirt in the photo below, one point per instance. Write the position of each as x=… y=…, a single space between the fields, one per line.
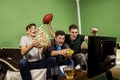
x=34 y=54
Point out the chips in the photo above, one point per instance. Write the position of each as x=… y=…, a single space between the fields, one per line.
x=69 y=53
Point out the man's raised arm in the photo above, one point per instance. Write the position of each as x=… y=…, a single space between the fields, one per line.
x=51 y=30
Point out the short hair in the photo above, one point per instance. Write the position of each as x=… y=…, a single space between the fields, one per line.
x=59 y=32
x=73 y=26
x=30 y=25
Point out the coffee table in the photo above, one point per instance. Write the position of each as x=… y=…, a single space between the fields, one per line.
x=77 y=75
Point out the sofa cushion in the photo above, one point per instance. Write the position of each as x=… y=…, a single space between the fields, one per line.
x=37 y=74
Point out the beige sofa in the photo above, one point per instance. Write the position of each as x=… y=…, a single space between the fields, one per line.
x=12 y=56
x=9 y=57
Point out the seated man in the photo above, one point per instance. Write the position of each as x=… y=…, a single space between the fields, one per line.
x=59 y=49
x=32 y=52
x=74 y=40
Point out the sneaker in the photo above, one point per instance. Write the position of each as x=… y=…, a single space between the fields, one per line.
x=77 y=67
x=84 y=67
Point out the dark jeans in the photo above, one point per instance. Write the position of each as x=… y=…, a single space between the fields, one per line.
x=26 y=66
x=80 y=59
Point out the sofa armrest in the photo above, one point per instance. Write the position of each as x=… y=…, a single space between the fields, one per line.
x=9 y=64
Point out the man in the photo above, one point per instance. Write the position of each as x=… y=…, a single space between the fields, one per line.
x=32 y=53
x=74 y=40
x=59 y=50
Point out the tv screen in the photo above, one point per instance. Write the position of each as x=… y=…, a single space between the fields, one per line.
x=101 y=54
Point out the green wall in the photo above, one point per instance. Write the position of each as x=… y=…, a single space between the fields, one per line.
x=103 y=14
x=16 y=14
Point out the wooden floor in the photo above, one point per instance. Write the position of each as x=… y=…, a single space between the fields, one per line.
x=83 y=75
x=115 y=73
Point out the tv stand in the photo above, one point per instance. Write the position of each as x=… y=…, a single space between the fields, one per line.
x=109 y=75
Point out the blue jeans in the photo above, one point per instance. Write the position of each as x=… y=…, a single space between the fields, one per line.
x=26 y=66
x=63 y=62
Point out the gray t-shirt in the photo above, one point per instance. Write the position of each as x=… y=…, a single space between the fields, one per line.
x=34 y=54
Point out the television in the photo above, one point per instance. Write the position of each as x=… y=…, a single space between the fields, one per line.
x=101 y=55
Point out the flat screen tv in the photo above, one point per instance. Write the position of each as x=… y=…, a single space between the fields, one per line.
x=101 y=54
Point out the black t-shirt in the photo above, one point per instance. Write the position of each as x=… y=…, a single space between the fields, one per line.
x=76 y=44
